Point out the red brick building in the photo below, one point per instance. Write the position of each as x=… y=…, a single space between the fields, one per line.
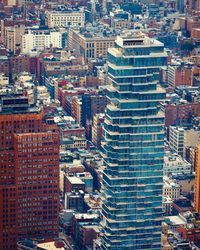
x=73 y=183
x=190 y=234
x=29 y=174
x=4 y=65
x=179 y=114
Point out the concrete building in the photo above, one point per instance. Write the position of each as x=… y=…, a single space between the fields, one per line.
x=191 y=138
x=120 y=19
x=40 y=39
x=73 y=183
x=65 y=18
x=171 y=188
x=97 y=129
x=13 y=36
x=176 y=165
x=176 y=139
x=133 y=145
x=90 y=43
x=174 y=222
x=4 y=81
x=87 y=178
x=182 y=138
x=167 y=205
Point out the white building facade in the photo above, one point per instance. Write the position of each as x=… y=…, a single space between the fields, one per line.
x=41 y=39
x=65 y=19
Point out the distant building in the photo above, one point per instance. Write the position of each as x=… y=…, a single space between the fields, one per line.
x=39 y=39
x=176 y=165
x=180 y=5
x=87 y=178
x=180 y=74
x=171 y=188
x=181 y=138
x=176 y=139
x=180 y=114
x=28 y=244
x=167 y=205
x=4 y=81
x=69 y=18
x=190 y=232
x=4 y=65
x=120 y=19
x=13 y=37
x=78 y=221
x=75 y=201
x=181 y=205
x=174 y=222
x=97 y=129
x=197 y=182
x=73 y=183
x=90 y=44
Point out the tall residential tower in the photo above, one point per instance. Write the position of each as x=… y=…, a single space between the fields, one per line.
x=133 y=145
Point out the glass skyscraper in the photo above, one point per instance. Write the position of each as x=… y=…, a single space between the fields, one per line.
x=133 y=145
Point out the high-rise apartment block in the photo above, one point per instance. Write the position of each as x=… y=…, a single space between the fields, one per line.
x=133 y=145
x=29 y=173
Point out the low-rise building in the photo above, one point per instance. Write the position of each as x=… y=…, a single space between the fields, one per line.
x=4 y=81
x=176 y=165
x=171 y=189
x=87 y=178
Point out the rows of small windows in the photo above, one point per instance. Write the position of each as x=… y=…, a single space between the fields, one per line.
x=23 y=155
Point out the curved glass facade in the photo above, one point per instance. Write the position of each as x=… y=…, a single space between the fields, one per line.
x=133 y=145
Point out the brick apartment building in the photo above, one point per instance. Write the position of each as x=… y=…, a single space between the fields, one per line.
x=181 y=114
x=29 y=173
